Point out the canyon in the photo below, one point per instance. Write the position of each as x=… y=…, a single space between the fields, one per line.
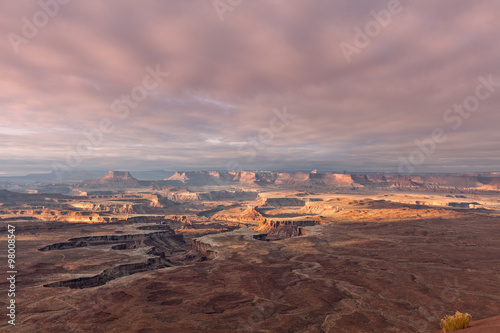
x=254 y=251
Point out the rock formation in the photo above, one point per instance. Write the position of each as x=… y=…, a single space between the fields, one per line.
x=252 y=214
x=204 y=248
x=115 y=179
x=280 y=229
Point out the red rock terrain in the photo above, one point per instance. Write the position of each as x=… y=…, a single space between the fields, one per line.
x=359 y=276
x=258 y=258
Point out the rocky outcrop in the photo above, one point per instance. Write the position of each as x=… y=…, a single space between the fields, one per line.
x=272 y=224
x=252 y=214
x=115 y=179
x=204 y=248
x=281 y=229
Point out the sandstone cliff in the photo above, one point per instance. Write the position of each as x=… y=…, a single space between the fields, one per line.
x=281 y=229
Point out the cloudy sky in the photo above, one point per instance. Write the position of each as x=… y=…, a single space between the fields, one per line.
x=263 y=84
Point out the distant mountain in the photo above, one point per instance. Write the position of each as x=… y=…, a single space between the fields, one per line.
x=443 y=182
x=115 y=179
x=55 y=177
x=50 y=183
x=76 y=176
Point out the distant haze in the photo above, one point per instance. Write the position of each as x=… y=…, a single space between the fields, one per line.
x=230 y=80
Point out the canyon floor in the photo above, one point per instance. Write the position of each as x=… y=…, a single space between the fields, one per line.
x=252 y=259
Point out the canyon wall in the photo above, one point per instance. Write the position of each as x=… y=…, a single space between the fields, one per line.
x=111 y=274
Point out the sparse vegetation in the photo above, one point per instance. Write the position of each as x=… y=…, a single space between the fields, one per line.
x=456 y=322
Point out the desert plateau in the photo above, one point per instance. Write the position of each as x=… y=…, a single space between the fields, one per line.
x=255 y=252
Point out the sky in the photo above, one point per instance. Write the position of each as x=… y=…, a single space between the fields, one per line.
x=379 y=86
